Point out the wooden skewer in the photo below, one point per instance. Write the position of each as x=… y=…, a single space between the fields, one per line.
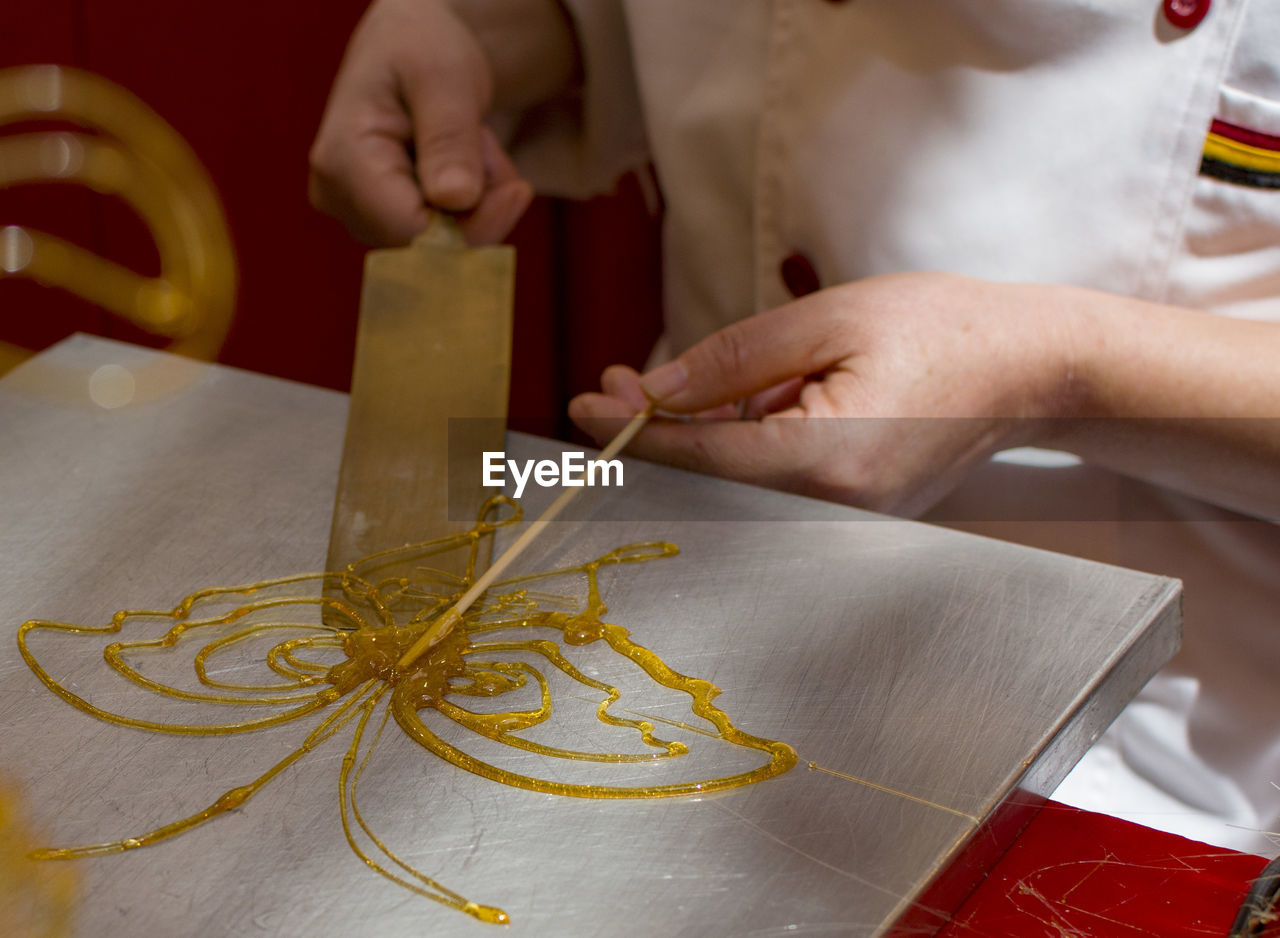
x=452 y=616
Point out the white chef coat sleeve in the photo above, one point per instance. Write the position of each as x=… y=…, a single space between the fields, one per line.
x=579 y=144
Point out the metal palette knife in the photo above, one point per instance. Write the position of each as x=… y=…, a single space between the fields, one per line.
x=428 y=392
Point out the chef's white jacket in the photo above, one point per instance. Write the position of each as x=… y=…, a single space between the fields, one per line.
x=1052 y=141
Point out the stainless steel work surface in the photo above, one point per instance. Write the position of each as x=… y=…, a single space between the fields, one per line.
x=936 y=672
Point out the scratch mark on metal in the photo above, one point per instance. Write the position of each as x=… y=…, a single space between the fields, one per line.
x=893 y=791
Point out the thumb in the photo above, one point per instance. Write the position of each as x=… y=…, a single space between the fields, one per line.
x=447 y=106
x=750 y=356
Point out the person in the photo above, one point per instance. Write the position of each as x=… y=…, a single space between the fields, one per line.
x=902 y=238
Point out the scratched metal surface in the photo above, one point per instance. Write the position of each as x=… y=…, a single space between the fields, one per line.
x=942 y=668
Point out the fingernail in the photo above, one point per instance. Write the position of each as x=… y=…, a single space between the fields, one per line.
x=519 y=200
x=507 y=214
x=665 y=380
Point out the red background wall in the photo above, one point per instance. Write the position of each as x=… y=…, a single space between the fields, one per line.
x=245 y=84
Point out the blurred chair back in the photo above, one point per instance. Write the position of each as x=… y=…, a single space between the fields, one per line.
x=129 y=152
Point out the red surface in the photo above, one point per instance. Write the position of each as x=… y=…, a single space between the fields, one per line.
x=1074 y=873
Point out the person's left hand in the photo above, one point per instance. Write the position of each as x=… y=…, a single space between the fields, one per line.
x=878 y=393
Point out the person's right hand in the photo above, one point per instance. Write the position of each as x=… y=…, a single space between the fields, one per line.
x=403 y=131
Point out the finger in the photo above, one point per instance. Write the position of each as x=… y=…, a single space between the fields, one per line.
x=376 y=196
x=750 y=451
x=752 y=355
x=498 y=212
x=789 y=451
x=623 y=382
x=777 y=398
x=600 y=416
x=498 y=167
x=446 y=103
x=506 y=196
x=811 y=456
x=759 y=452
x=723 y=412
x=360 y=171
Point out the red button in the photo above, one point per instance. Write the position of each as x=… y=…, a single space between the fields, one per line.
x=1185 y=14
x=798 y=275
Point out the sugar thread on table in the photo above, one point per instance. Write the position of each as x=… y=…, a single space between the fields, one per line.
x=498 y=650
